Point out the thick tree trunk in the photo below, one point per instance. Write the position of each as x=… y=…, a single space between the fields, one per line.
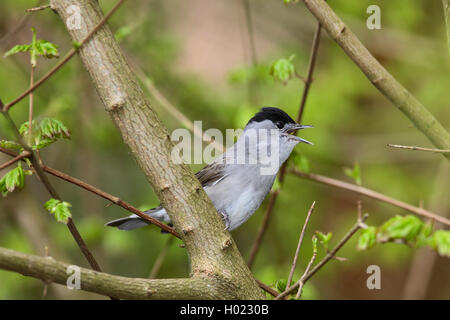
x=212 y=252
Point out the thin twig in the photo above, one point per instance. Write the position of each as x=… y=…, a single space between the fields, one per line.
x=371 y=194
x=418 y=148
x=52 y=191
x=358 y=225
x=249 y=23
x=251 y=83
x=297 y=251
x=66 y=58
x=311 y=65
x=30 y=109
x=115 y=200
x=35 y=9
x=267 y=289
x=301 y=282
x=14 y=160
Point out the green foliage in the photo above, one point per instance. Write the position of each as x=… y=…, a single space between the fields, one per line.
x=48 y=131
x=281 y=285
x=324 y=239
x=12 y=145
x=406 y=229
x=289 y=1
x=400 y=227
x=354 y=173
x=367 y=238
x=60 y=209
x=13 y=179
x=18 y=48
x=283 y=70
x=36 y=48
x=440 y=241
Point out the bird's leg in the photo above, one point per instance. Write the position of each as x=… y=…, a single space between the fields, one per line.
x=225 y=219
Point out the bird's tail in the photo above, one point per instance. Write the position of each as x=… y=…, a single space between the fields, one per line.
x=134 y=221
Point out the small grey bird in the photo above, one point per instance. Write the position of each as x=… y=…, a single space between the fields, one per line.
x=238 y=180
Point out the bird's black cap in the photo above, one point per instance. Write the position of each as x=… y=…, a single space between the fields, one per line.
x=273 y=114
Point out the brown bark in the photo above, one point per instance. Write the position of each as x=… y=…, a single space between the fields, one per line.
x=212 y=252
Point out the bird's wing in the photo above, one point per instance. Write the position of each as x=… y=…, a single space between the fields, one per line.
x=211 y=174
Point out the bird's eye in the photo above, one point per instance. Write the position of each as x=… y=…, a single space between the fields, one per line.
x=279 y=124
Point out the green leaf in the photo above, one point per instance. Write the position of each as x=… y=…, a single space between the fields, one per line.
x=399 y=227
x=42 y=143
x=60 y=209
x=47 y=49
x=36 y=48
x=23 y=129
x=354 y=173
x=12 y=145
x=13 y=179
x=281 y=285
x=324 y=238
x=424 y=236
x=54 y=129
x=289 y=1
x=48 y=131
x=367 y=239
x=301 y=162
x=441 y=242
x=283 y=70
x=18 y=48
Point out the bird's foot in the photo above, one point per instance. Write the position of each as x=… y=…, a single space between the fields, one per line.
x=225 y=220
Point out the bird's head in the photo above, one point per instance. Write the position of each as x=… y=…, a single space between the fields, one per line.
x=274 y=118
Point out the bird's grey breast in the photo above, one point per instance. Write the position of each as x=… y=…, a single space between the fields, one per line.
x=240 y=192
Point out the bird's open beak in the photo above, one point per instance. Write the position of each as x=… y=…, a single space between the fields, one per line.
x=293 y=129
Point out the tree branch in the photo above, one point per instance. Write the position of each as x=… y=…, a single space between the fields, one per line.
x=117 y=201
x=418 y=148
x=66 y=58
x=210 y=247
x=49 y=270
x=446 y=4
x=299 y=245
x=371 y=194
x=378 y=76
x=14 y=160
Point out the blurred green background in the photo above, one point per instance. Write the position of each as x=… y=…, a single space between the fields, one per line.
x=198 y=54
